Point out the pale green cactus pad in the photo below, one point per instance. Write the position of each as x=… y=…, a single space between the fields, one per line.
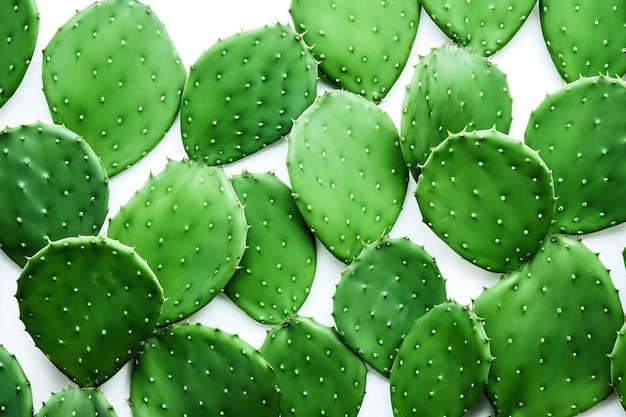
x=77 y=402
x=16 y=397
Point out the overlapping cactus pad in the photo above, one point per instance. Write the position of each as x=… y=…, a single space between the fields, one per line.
x=16 y=398
x=78 y=402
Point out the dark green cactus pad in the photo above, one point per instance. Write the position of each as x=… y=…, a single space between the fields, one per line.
x=585 y=38
x=88 y=303
x=551 y=325
x=188 y=224
x=16 y=398
x=579 y=132
x=317 y=374
x=53 y=186
x=618 y=366
x=381 y=293
x=451 y=90
x=442 y=365
x=488 y=196
x=112 y=74
x=78 y=402
x=363 y=45
x=19 y=27
x=347 y=171
x=194 y=370
x=277 y=270
x=483 y=26
x=243 y=93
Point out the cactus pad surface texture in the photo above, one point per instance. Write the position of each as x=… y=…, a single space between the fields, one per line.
x=79 y=402
x=16 y=397
x=88 y=303
x=112 y=74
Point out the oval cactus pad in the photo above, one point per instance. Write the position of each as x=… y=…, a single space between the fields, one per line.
x=488 y=196
x=188 y=224
x=381 y=293
x=579 y=132
x=363 y=45
x=88 y=303
x=53 y=186
x=277 y=270
x=194 y=370
x=226 y=114
x=347 y=171
x=112 y=74
x=16 y=397
x=79 y=402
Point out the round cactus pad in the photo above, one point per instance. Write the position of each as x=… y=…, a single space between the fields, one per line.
x=79 y=402
x=88 y=303
x=16 y=398
x=488 y=196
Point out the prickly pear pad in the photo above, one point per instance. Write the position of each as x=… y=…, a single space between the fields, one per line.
x=618 y=366
x=317 y=374
x=112 y=74
x=194 y=370
x=347 y=171
x=579 y=132
x=19 y=27
x=551 y=325
x=88 y=303
x=277 y=270
x=482 y=26
x=16 y=398
x=585 y=38
x=363 y=45
x=442 y=365
x=53 y=186
x=488 y=196
x=243 y=93
x=80 y=402
x=451 y=90
x=381 y=293
x=187 y=223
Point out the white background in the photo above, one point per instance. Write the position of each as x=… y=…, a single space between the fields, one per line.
x=194 y=26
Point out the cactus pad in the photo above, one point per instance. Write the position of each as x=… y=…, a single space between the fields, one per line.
x=317 y=374
x=363 y=45
x=19 y=27
x=347 y=171
x=579 y=132
x=79 y=402
x=88 y=303
x=16 y=398
x=381 y=293
x=482 y=26
x=277 y=270
x=488 y=196
x=551 y=325
x=52 y=185
x=618 y=366
x=111 y=73
x=187 y=223
x=585 y=38
x=442 y=365
x=243 y=93
x=451 y=90
x=194 y=370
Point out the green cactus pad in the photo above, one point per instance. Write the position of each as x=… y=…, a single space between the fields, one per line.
x=53 y=186
x=112 y=74
x=551 y=325
x=451 y=90
x=347 y=171
x=483 y=26
x=243 y=93
x=618 y=366
x=79 y=402
x=579 y=132
x=317 y=374
x=88 y=303
x=188 y=224
x=488 y=196
x=442 y=365
x=19 y=27
x=194 y=370
x=585 y=38
x=277 y=270
x=16 y=398
x=381 y=293
x=363 y=45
